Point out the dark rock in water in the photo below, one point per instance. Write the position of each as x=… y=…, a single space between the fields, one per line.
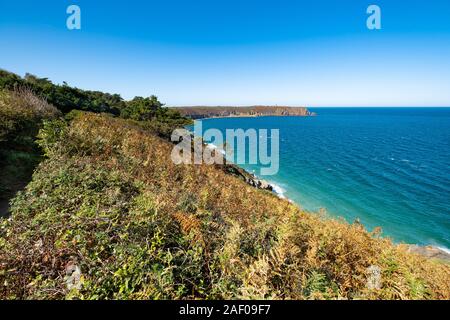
x=429 y=252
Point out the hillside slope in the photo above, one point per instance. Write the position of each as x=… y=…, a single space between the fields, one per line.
x=108 y=215
x=21 y=115
x=253 y=111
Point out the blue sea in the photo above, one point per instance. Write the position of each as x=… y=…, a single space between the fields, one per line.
x=387 y=167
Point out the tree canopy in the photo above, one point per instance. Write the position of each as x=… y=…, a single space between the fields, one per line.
x=141 y=109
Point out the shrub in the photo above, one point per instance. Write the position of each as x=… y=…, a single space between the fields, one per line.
x=141 y=109
x=21 y=112
x=63 y=97
x=21 y=116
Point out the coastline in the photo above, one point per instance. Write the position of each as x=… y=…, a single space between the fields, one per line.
x=211 y=112
x=252 y=116
x=426 y=250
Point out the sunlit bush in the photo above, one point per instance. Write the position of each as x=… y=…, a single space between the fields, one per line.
x=21 y=116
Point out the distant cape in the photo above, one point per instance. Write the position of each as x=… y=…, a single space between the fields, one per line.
x=201 y=112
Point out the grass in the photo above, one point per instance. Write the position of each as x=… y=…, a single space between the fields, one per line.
x=109 y=203
x=21 y=115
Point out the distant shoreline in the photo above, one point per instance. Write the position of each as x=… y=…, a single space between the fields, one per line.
x=248 y=116
x=425 y=250
x=203 y=112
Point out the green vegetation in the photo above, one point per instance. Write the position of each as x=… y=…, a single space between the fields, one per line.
x=66 y=99
x=108 y=215
x=26 y=102
x=141 y=109
x=21 y=115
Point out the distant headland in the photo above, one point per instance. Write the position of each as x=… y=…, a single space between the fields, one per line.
x=201 y=112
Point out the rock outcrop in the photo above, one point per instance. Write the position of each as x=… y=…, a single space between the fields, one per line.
x=429 y=252
x=253 y=111
x=247 y=177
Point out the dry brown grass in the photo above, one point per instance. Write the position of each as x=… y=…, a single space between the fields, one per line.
x=22 y=110
x=241 y=242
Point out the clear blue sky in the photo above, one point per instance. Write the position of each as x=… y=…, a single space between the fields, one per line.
x=237 y=52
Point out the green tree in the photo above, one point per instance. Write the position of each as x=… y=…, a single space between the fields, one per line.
x=142 y=109
x=64 y=97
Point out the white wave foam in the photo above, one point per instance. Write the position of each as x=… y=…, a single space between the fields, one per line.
x=446 y=250
x=278 y=190
x=213 y=146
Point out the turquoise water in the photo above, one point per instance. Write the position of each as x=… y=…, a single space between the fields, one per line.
x=388 y=167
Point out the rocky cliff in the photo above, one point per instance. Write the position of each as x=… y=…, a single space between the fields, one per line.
x=253 y=111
